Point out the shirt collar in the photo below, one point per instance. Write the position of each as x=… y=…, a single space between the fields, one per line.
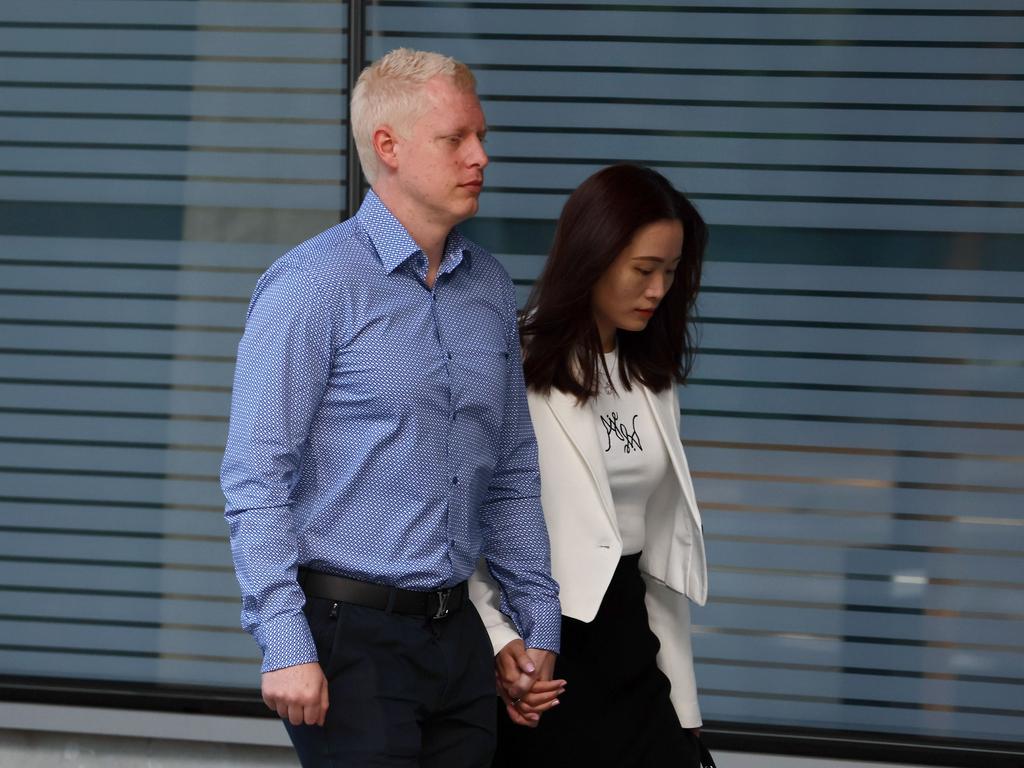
x=394 y=244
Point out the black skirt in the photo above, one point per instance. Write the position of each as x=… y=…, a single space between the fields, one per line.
x=616 y=710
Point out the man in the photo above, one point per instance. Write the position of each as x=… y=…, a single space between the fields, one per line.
x=380 y=443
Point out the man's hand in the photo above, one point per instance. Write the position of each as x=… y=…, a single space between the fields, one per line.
x=298 y=694
x=523 y=678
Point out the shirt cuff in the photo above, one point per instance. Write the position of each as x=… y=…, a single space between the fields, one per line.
x=544 y=629
x=286 y=642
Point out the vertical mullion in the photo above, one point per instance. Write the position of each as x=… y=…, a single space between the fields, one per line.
x=356 y=54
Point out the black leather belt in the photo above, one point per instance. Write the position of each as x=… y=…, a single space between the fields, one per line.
x=436 y=604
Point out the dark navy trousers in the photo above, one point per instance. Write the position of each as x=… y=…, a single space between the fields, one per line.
x=404 y=691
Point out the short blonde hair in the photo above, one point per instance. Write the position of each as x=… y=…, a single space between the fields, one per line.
x=390 y=91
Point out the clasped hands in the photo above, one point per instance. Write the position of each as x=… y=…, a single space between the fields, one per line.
x=522 y=677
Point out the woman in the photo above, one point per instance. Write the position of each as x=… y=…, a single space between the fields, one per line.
x=607 y=337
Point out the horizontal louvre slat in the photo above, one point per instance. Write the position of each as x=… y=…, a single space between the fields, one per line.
x=158 y=75
x=188 y=43
x=190 y=164
x=112 y=486
x=826 y=276
x=174 y=402
x=184 y=555
x=89 y=664
x=275 y=131
x=943 y=411
x=892 y=343
x=786 y=365
x=810 y=89
x=884 y=595
x=98 y=577
x=1001 y=477
x=197 y=613
x=845 y=213
x=699 y=181
x=813 y=150
x=165 y=369
x=137 y=521
x=256 y=13
x=624 y=21
x=794 y=492
x=566 y=51
x=176 y=104
x=193 y=193
x=796 y=647
x=109 y=424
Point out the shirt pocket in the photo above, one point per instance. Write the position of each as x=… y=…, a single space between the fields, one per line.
x=480 y=379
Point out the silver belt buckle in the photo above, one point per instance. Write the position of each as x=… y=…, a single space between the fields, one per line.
x=443 y=596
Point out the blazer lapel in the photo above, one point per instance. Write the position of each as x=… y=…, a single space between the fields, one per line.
x=578 y=424
x=675 y=452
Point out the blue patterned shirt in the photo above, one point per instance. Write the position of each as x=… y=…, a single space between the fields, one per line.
x=379 y=430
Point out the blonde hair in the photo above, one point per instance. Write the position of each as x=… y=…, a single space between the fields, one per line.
x=390 y=91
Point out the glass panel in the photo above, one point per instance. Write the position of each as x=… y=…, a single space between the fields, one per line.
x=155 y=157
x=854 y=420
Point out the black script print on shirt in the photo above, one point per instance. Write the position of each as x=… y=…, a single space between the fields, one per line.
x=612 y=426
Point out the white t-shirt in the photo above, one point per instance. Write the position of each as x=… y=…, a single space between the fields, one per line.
x=634 y=456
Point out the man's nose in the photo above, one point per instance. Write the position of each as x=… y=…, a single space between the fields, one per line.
x=478 y=155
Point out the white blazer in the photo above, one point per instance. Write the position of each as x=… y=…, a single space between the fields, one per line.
x=585 y=542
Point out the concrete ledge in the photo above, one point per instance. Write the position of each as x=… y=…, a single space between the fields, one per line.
x=143 y=724
x=45 y=736
x=40 y=749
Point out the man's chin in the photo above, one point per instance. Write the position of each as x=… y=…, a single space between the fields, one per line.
x=468 y=209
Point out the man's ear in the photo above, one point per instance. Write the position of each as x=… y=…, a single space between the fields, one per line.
x=385 y=144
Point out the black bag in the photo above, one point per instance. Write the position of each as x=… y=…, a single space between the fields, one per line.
x=706 y=760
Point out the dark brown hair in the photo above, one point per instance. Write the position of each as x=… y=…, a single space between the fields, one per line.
x=599 y=220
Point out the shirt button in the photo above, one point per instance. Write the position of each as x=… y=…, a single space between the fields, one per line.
x=455 y=481
x=449 y=355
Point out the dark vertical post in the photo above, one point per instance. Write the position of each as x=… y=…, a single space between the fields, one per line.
x=356 y=55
